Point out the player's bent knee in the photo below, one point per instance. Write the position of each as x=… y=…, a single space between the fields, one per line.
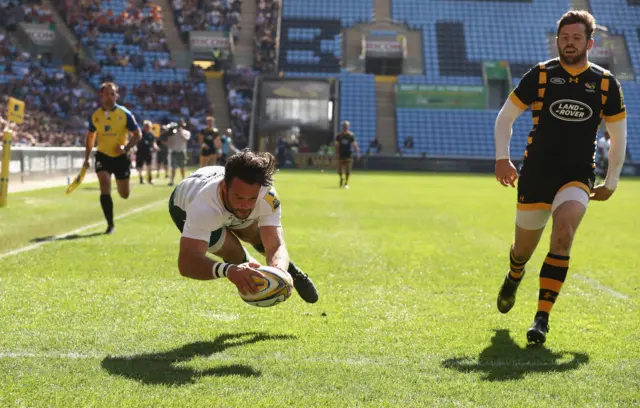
x=532 y=219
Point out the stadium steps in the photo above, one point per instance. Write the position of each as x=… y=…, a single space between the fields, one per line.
x=415 y=51
x=381 y=10
x=623 y=67
x=178 y=49
x=218 y=98
x=386 y=117
x=581 y=5
x=62 y=29
x=244 y=49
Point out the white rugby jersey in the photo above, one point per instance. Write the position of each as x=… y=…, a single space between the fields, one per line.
x=199 y=195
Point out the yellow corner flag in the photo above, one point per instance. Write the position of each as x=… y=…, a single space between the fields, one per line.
x=155 y=129
x=77 y=181
x=15 y=110
x=4 y=172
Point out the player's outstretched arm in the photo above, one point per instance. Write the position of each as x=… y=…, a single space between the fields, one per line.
x=193 y=263
x=506 y=172
x=618 y=132
x=274 y=247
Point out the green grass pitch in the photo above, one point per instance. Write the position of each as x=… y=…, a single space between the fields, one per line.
x=407 y=267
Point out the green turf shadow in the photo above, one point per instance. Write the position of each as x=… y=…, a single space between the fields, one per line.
x=504 y=360
x=161 y=369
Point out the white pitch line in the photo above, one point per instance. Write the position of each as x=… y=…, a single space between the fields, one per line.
x=81 y=229
x=597 y=285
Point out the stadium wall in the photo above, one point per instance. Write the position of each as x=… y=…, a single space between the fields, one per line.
x=425 y=164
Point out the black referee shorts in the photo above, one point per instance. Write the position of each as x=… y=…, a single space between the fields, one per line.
x=119 y=166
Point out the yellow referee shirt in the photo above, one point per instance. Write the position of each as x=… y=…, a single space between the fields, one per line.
x=112 y=127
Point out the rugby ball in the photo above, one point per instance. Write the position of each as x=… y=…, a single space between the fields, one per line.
x=276 y=287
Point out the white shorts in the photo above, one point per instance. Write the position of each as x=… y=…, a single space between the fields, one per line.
x=537 y=219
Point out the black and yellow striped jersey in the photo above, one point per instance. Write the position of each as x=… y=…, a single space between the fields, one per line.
x=567 y=107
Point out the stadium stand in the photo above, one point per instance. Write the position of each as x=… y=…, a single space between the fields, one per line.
x=60 y=104
x=239 y=86
x=621 y=18
x=216 y=15
x=311 y=46
x=128 y=42
x=458 y=37
x=129 y=46
x=266 y=34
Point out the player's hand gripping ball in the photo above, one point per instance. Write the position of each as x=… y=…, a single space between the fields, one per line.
x=274 y=288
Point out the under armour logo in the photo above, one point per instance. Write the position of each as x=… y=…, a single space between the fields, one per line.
x=573 y=80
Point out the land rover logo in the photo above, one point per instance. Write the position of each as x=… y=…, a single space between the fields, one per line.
x=570 y=110
x=557 y=81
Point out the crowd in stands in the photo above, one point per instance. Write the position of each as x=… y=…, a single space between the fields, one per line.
x=198 y=15
x=266 y=34
x=87 y=20
x=40 y=129
x=141 y=24
x=54 y=98
x=239 y=84
x=57 y=105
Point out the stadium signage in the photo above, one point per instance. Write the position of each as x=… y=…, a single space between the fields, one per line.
x=441 y=96
x=40 y=34
x=297 y=89
x=380 y=48
x=209 y=40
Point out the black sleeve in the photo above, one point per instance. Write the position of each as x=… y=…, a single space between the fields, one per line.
x=614 y=109
x=527 y=90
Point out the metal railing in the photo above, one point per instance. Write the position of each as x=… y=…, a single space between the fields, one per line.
x=39 y=163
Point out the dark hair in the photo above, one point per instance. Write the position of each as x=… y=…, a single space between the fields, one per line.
x=250 y=167
x=107 y=85
x=578 y=17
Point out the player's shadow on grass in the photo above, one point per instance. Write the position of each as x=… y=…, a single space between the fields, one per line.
x=504 y=360
x=71 y=237
x=169 y=367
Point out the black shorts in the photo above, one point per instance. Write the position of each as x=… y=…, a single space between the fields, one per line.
x=207 y=152
x=119 y=166
x=143 y=157
x=537 y=189
x=162 y=157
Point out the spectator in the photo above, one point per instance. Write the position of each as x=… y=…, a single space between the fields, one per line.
x=408 y=142
x=178 y=150
x=375 y=146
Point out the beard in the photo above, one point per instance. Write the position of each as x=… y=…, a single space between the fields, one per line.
x=574 y=58
x=235 y=211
